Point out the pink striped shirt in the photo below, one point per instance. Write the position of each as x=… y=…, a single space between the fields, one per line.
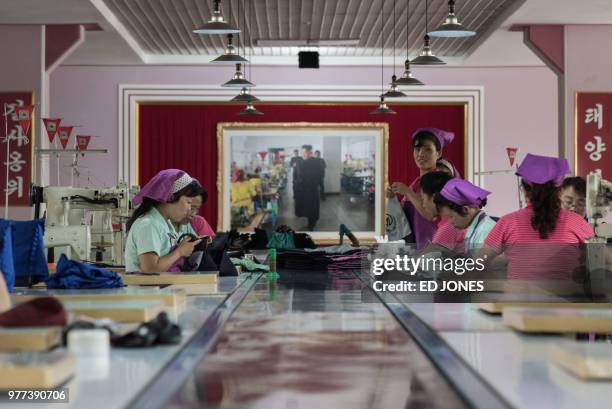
x=533 y=258
x=449 y=236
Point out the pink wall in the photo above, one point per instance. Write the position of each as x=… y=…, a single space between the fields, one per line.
x=22 y=69
x=588 y=62
x=520 y=107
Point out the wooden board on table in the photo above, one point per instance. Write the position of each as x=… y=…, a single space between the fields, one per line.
x=120 y=311
x=498 y=307
x=585 y=360
x=170 y=298
x=170 y=278
x=197 y=289
x=29 y=338
x=36 y=370
x=558 y=320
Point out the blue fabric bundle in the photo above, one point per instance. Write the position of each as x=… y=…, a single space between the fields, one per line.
x=76 y=275
x=29 y=252
x=6 y=253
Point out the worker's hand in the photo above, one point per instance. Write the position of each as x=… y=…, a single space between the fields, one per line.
x=389 y=192
x=400 y=188
x=185 y=247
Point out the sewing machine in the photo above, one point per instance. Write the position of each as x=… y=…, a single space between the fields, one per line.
x=86 y=220
x=599 y=208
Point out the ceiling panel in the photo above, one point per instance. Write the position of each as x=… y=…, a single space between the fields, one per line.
x=163 y=27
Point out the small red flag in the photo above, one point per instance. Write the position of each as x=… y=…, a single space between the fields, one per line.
x=512 y=152
x=63 y=133
x=51 y=126
x=24 y=116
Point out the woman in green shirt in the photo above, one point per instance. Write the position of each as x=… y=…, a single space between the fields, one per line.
x=152 y=241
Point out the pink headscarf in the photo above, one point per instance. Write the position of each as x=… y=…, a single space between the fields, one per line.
x=163 y=185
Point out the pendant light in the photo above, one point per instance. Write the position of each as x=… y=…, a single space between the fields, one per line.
x=250 y=110
x=230 y=56
x=217 y=25
x=451 y=26
x=245 y=96
x=427 y=57
x=238 y=80
x=382 y=106
x=244 y=92
x=394 y=91
x=408 y=79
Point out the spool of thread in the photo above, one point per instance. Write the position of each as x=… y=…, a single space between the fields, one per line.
x=89 y=343
x=92 y=348
x=272 y=260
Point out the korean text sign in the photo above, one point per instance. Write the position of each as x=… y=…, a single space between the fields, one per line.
x=594 y=133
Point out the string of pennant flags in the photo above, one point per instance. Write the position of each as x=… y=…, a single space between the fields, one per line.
x=53 y=128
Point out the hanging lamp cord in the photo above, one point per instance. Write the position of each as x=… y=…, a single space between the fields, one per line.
x=382 y=51
x=407 y=28
x=394 y=23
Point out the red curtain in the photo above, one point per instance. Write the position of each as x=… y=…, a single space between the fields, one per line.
x=185 y=136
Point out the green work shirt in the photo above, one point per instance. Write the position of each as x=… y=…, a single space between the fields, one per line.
x=477 y=232
x=151 y=233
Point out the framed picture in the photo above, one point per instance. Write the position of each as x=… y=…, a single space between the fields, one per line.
x=311 y=177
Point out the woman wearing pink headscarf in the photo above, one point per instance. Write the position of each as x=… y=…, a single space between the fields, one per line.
x=163 y=203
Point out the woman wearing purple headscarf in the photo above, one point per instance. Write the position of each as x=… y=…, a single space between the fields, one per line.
x=427 y=145
x=163 y=203
x=461 y=202
x=543 y=240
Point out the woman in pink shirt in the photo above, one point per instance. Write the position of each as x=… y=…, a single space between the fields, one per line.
x=199 y=223
x=542 y=241
x=446 y=238
x=427 y=145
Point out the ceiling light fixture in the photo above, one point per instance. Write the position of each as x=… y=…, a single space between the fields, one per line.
x=451 y=26
x=394 y=91
x=427 y=57
x=250 y=110
x=230 y=56
x=217 y=25
x=408 y=78
x=382 y=106
x=238 y=80
x=245 y=96
x=244 y=92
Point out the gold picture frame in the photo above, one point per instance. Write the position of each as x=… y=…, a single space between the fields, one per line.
x=379 y=130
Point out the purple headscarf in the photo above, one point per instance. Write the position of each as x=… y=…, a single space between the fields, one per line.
x=163 y=185
x=444 y=137
x=541 y=169
x=464 y=193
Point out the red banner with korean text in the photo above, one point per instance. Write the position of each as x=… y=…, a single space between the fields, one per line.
x=20 y=147
x=594 y=133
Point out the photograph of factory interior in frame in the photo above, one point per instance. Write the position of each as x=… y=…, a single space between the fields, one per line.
x=311 y=177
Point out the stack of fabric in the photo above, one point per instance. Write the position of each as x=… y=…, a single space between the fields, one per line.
x=334 y=259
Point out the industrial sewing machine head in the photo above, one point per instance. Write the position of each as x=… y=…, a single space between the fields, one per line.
x=599 y=205
x=86 y=219
x=599 y=249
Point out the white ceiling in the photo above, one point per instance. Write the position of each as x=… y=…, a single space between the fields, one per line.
x=159 y=31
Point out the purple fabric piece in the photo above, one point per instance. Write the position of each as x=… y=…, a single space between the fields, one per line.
x=444 y=137
x=463 y=193
x=159 y=187
x=541 y=169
